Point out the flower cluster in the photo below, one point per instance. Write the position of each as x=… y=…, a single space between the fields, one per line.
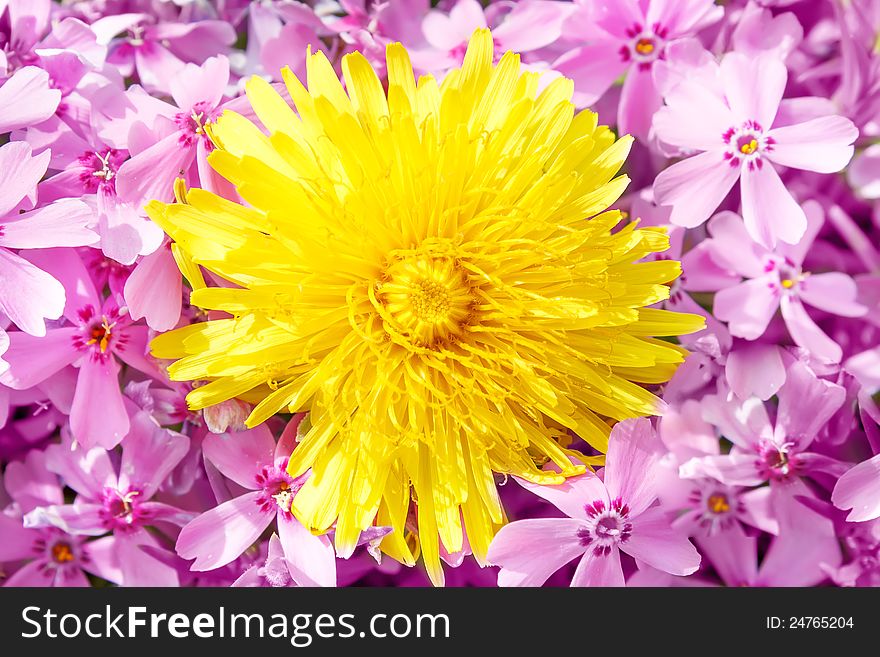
x=351 y=292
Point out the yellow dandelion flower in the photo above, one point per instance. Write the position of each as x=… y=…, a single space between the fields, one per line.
x=432 y=274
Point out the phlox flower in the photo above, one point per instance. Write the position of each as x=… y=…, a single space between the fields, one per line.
x=28 y=294
x=528 y=26
x=156 y=50
x=56 y=558
x=606 y=516
x=92 y=175
x=777 y=452
x=253 y=461
x=96 y=336
x=775 y=279
x=732 y=124
x=181 y=138
x=627 y=36
x=118 y=499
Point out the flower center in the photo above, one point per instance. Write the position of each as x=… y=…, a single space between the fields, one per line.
x=427 y=300
x=777 y=462
x=192 y=124
x=718 y=503
x=100 y=169
x=121 y=510
x=746 y=144
x=277 y=487
x=100 y=334
x=605 y=526
x=62 y=553
x=645 y=45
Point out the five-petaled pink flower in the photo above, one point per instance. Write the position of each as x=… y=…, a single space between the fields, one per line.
x=733 y=125
x=608 y=515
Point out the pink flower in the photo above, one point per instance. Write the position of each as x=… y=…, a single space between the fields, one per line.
x=605 y=517
x=157 y=51
x=858 y=488
x=96 y=335
x=627 y=36
x=776 y=279
x=118 y=499
x=731 y=125
x=528 y=26
x=253 y=461
x=29 y=295
x=178 y=141
x=57 y=558
x=778 y=452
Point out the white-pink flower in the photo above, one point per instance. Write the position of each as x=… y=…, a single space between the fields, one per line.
x=734 y=128
x=609 y=515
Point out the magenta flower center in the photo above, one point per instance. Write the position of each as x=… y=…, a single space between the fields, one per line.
x=746 y=144
x=277 y=487
x=99 y=336
x=122 y=510
x=100 y=169
x=645 y=45
x=192 y=124
x=605 y=526
x=777 y=462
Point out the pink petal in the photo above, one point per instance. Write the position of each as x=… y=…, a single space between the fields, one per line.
x=124 y=233
x=599 y=570
x=572 y=495
x=103 y=559
x=135 y=352
x=823 y=145
x=529 y=551
x=77 y=519
x=220 y=535
x=758 y=510
x=150 y=174
x=201 y=84
x=31 y=484
x=754 y=86
x=62 y=223
x=631 y=462
x=654 y=542
x=27 y=99
x=19 y=173
x=806 y=334
x=149 y=454
x=593 y=69
x=240 y=456
x=832 y=292
x=66 y=266
x=639 y=100
x=731 y=469
x=732 y=247
x=87 y=471
x=446 y=32
x=310 y=558
x=806 y=403
x=17 y=542
x=156 y=67
x=694 y=118
x=153 y=290
x=755 y=369
x=531 y=25
x=35 y=574
x=140 y=568
x=98 y=415
x=733 y=554
x=694 y=187
x=859 y=490
x=768 y=208
x=747 y=307
x=815 y=215
x=28 y=295
x=33 y=360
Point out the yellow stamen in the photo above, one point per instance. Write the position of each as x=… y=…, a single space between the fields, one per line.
x=718 y=503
